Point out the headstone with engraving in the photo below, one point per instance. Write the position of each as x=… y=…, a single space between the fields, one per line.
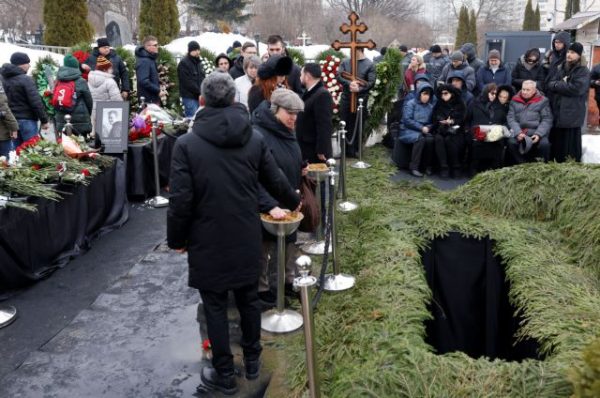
x=118 y=29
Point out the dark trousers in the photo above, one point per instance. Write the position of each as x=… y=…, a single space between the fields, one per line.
x=422 y=152
x=350 y=119
x=566 y=142
x=217 y=324
x=486 y=152
x=448 y=149
x=539 y=150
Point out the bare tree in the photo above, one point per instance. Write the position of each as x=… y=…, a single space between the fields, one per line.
x=394 y=9
x=481 y=7
x=18 y=17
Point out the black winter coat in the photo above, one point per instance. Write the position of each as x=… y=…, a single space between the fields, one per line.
x=237 y=69
x=520 y=73
x=568 y=97
x=80 y=116
x=293 y=80
x=255 y=97
x=23 y=97
x=454 y=109
x=366 y=71
x=314 y=126
x=190 y=74
x=146 y=71
x=484 y=112
x=595 y=76
x=119 y=67
x=213 y=210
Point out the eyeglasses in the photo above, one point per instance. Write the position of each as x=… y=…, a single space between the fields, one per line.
x=531 y=61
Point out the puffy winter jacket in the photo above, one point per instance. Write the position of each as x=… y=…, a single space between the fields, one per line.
x=436 y=65
x=148 y=85
x=415 y=116
x=520 y=73
x=121 y=75
x=533 y=114
x=80 y=116
x=23 y=98
x=467 y=72
x=103 y=88
x=486 y=75
x=8 y=123
x=466 y=95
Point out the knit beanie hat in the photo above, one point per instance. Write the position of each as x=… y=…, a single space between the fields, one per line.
x=457 y=56
x=71 y=61
x=19 y=59
x=102 y=63
x=494 y=54
x=193 y=46
x=287 y=99
x=103 y=42
x=576 y=47
x=435 y=49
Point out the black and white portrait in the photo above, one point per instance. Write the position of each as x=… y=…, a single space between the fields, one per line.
x=113 y=119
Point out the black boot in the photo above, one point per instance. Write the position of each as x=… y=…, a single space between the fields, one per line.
x=223 y=383
x=252 y=368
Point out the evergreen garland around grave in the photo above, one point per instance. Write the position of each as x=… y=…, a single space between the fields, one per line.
x=322 y=56
x=371 y=340
x=389 y=77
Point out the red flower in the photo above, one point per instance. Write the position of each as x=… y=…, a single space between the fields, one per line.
x=81 y=56
x=29 y=143
x=85 y=172
x=206 y=345
x=59 y=167
x=36 y=167
x=478 y=134
x=47 y=93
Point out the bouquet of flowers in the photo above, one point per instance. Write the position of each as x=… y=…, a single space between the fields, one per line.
x=329 y=68
x=207 y=66
x=140 y=127
x=82 y=56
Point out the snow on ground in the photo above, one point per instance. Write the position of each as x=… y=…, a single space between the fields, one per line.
x=591 y=148
x=220 y=42
x=7 y=49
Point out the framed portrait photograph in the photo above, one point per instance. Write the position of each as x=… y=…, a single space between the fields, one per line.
x=112 y=125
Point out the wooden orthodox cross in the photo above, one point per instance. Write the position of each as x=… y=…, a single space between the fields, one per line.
x=354 y=44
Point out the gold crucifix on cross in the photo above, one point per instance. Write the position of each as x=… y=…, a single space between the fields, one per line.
x=354 y=44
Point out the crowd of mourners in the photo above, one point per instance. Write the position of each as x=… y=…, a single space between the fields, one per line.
x=457 y=114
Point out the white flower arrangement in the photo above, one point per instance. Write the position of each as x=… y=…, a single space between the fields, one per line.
x=207 y=66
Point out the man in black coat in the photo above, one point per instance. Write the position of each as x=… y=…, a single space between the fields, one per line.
x=276 y=46
x=213 y=215
x=568 y=91
x=119 y=67
x=23 y=98
x=237 y=69
x=314 y=126
x=148 y=85
x=190 y=74
x=366 y=74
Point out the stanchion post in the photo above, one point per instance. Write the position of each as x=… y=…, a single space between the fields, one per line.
x=305 y=282
x=336 y=281
x=281 y=320
x=317 y=247
x=157 y=201
x=360 y=164
x=345 y=205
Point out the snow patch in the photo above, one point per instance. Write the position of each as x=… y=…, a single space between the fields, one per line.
x=7 y=49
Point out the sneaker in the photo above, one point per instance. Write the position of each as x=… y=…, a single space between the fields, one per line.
x=223 y=383
x=416 y=173
x=252 y=368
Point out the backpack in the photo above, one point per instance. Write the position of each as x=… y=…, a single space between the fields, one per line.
x=64 y=96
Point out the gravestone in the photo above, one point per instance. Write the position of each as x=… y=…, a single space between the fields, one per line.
x=118 y=29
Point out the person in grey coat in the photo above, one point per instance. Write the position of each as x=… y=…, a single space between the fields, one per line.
x=457 y=63
x=435 y=61
x=529 y=120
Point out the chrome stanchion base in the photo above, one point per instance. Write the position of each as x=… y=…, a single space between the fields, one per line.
x=157 y=201
x=339 y=282
x=315 y=248
x=360 y=165
x=347 y=206
x=280 y=322
x=8 y=314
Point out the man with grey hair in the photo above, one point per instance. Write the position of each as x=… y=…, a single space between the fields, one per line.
x=216 y=173
x=529 y=120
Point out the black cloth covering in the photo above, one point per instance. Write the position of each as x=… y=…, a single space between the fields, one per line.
x=32 y=245
x=140 y=166
x=470 y=303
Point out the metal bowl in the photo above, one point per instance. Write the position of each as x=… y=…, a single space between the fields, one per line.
x=281 y=228
x=319 y=171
